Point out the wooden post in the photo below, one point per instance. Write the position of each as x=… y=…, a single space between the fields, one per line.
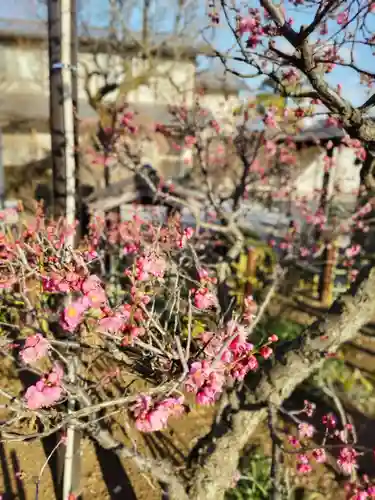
x=327 y=281
x=57 y=126
x=250 y=270
x=323 y=202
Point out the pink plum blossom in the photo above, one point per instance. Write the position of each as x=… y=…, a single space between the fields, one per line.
x=35 y=348
x=73 y=313
x=185 y=237
x=112 y=324
x=347 y=460
x=266 y=352
x=329 y=421
x=303 y=466
x=309 y=408
x=270 y=120
x=97 y=298
x=204 y=299
x=319 y=455
x=47 y=391
x=205 y=382
x=353 y=251
x=212 y=342
x=150 y=417
x=149 y=266
x=246 y=25
x=91 y=284
x=294 y=441
x=305 y=430
x=342 y=17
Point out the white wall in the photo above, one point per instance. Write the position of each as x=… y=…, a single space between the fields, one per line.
x=26 y=69
x=19 y=149
x=170 y=82
x=345 y=174
x=222 y=108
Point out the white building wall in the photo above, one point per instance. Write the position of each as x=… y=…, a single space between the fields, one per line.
x=222 y=108
x=344 y=175
x=26 y=70
x=170 y=82
x=19 y=149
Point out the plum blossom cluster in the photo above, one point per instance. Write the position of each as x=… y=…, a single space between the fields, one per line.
x=228 y=356
x=151 y=416
x=361 y=489
x=251 y=24
x=204 y=298
x=47 y=391
x=35 y=348
x=342 y=440
x=70 y=292
x=93 y=297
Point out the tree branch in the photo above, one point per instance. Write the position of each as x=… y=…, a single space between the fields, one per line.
x=295 y=362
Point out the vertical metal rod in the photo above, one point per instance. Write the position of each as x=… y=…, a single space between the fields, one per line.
x=66 y=62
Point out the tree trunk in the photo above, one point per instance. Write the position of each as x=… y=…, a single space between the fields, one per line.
x=215 y=457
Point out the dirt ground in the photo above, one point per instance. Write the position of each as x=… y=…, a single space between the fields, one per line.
x=103 y=475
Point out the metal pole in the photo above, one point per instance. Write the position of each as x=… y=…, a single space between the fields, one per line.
x=74 y=75
x=72 y=453
x=63 y=145
x=66 y=70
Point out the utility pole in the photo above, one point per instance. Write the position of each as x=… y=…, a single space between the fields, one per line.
x=62 y=36
x=74 y=75
x=68 y=112
x=56 y=108
x=72 y=449
x=62 y=116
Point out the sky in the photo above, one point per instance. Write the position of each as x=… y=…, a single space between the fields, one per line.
x=93 y=13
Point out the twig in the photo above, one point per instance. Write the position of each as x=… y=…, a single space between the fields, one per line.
x=275 y=472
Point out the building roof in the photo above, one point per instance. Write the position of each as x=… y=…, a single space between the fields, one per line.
x=316 y=134
x=36 y=30
x=216 y=80
x=320 y=132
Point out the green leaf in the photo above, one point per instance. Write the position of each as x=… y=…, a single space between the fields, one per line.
x=366 y=383
x=44 y=325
